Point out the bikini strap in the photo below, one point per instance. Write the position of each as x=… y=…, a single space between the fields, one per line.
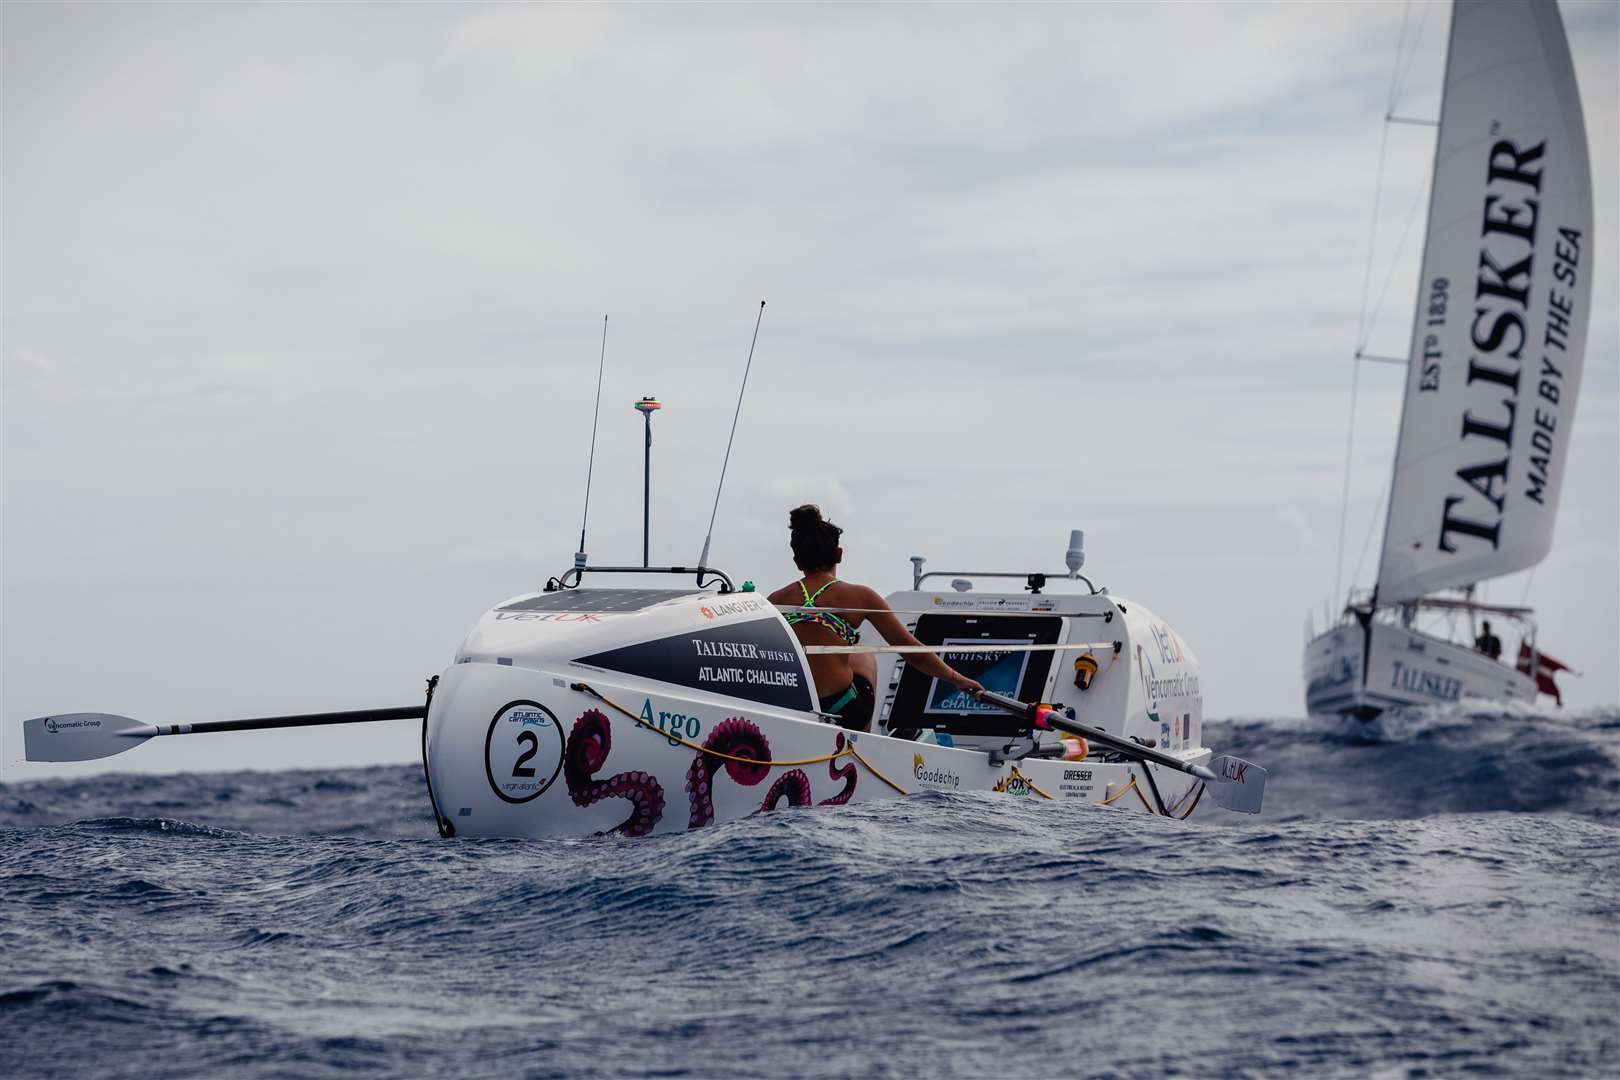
x=810 y=597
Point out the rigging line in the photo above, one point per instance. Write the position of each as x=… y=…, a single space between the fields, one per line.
x=703 y=559
x=1417 y=39
x=1400 y=43
x=1362 y=333
x=1344 y=500
x=601 y=363
x=1406 y=231
x=1527 y=583
x=1371 y=525
x=1378 y=187
x=1366 y=322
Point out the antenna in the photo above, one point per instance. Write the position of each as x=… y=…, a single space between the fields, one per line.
x=601 y=362
x=1075 y=557
x=703 y=559
x=646 y=407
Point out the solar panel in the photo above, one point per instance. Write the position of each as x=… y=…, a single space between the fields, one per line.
x=597 y=600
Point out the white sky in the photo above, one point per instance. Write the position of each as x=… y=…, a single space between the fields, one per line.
x=302 y=307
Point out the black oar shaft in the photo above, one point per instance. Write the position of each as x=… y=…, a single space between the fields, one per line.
x=1044 y=716
x=355 y=716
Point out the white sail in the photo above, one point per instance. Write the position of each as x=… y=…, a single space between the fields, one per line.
x=1500 y=332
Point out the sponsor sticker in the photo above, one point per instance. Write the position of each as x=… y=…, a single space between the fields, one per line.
x=1432 y=684
x=1012 y=784
x=553 y=616
x=753 y=659
x=675 y=726
x=933 y=776
x=731 y=607
x=1002 y=603
x=55 y=726
x=523 y=751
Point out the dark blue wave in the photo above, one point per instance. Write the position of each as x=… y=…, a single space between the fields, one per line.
x=1437 y=898
x=1451 y=760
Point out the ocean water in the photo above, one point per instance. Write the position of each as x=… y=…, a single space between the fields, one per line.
x=1433 y=896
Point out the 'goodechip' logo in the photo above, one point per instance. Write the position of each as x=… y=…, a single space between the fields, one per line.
x=934 y=776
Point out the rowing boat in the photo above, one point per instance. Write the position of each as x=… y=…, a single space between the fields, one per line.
x=647 y=711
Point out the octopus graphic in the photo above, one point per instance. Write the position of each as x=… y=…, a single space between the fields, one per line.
x=741 y=738
x=587 y=751
x=846 y=773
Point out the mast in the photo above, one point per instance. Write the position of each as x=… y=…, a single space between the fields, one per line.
x=1417 y=301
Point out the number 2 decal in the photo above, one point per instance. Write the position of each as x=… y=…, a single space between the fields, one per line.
x=531 y=740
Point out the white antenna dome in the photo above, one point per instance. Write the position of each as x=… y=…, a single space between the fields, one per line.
x=1075 y=557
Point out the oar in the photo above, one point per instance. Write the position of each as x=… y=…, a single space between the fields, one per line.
x=86 y=736
x=1236 y=784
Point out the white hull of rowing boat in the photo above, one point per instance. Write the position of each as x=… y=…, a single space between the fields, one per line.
x=645 y=783
x=579 y=722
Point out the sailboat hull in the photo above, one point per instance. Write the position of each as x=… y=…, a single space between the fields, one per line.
x=1363 y=670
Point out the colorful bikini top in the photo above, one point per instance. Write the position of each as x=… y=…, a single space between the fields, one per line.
x=811 y=615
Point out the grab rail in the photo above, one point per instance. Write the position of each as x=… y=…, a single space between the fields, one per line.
x=1034 y=581
x=577 y=573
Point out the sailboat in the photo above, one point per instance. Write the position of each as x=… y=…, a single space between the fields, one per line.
x=1493 y=373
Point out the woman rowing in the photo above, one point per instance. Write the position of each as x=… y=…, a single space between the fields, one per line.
x=827 y=611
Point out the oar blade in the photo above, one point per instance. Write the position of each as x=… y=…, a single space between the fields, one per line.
x=1239 y=785
x=80 y=736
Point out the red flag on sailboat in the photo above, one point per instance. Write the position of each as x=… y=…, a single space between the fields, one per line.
x=1542 y=667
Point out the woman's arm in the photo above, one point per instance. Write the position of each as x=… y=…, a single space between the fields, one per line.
x=894 y=631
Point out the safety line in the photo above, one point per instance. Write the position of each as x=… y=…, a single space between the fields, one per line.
x=849 y=746
x=1183 y=814
x=1120 y=794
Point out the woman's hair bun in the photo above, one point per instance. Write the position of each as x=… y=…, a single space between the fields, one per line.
x=813 y=538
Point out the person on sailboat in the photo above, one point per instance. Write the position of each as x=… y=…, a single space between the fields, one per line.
x=1488 y=643
x=827 y=611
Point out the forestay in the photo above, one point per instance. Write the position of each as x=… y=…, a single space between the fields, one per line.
x=1500 y=332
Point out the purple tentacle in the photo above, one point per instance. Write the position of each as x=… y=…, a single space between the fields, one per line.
x=588 y=745
x=848 y=774
x=739 y=738
x=794 y=786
